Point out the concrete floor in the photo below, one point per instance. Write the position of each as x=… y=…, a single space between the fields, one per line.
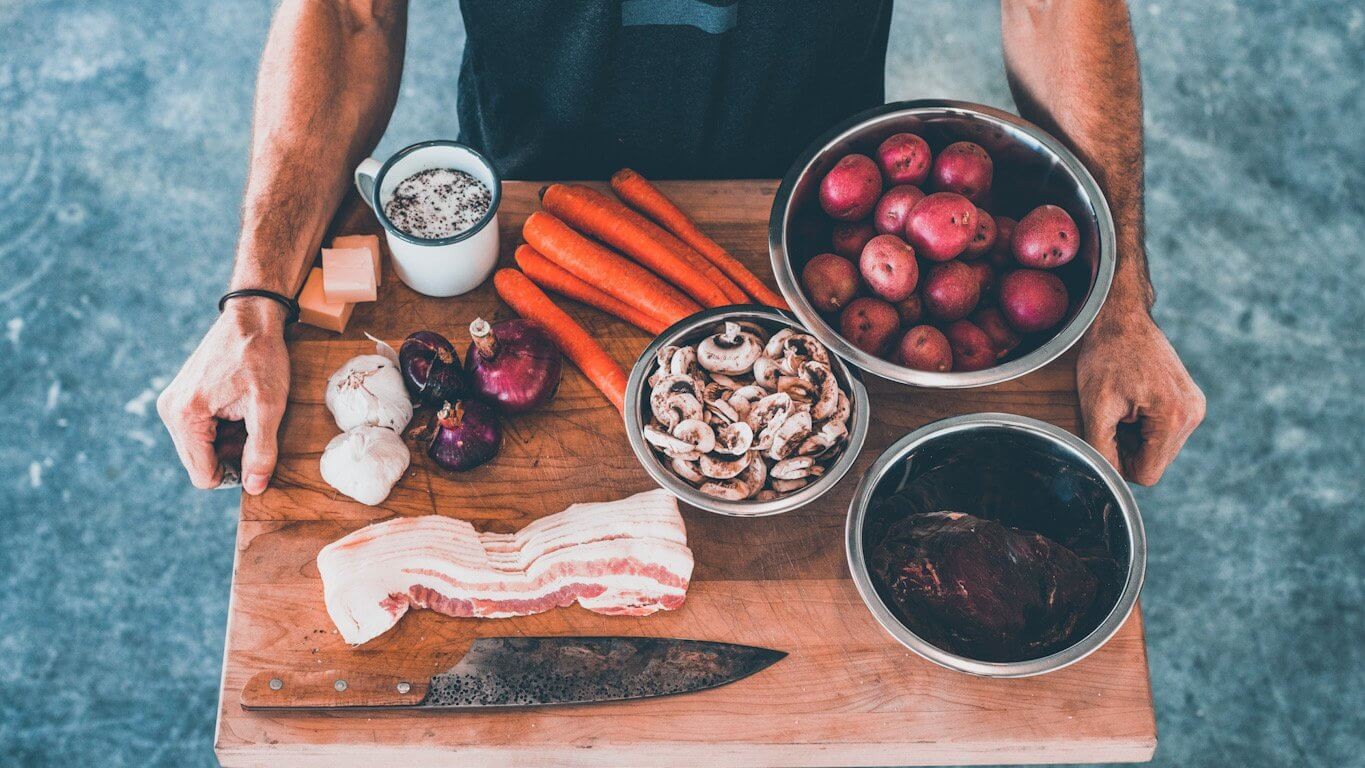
x=123 y=133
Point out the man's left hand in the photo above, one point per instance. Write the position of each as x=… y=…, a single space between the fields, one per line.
x=1128 y=373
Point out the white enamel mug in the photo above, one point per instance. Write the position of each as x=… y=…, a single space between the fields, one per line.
x=447 y=266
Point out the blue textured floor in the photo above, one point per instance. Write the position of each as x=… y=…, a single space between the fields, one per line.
x=123 y=133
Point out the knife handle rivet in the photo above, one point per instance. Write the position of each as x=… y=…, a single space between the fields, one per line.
x=404 y=687
x=340 y=685
x=276 y=683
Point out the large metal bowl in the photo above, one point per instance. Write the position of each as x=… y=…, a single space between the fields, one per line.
x=1028 y=474
x=1031 y=168
x=690 y=331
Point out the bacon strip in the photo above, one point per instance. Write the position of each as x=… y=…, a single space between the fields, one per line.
x=626 y=557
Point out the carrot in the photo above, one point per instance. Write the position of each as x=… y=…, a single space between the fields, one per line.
x=531 y=303
x=610 y=221
x=646 y=198
x=544 y=273
x=610 y=273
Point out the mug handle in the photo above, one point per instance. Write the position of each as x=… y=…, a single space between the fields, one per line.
x=364 y=180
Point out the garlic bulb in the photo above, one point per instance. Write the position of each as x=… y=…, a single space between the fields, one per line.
x=365 y=463
x=369 y=390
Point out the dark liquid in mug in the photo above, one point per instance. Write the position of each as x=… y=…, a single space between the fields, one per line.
x=437 y=203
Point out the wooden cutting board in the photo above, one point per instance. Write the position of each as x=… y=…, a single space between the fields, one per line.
x=846 y=695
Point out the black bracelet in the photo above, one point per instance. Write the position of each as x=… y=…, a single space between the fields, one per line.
x=291 y=307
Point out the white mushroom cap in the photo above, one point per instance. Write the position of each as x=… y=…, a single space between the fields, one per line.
x=732 y=351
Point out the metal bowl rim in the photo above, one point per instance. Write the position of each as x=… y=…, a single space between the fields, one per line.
x=1092 y=641
x=1053 y=348
x=639 y=373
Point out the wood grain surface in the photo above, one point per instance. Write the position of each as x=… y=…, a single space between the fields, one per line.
x=846 y=695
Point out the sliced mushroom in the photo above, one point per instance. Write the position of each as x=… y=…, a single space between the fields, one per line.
x=740 y=487
x=683 y=362
x=718 y=467
x=744 y=398
x=732 y=351
x=721 y=412
x=766 y=371
x=796 y=468
x=789 y=435
x=775 y=344
x=662 y=357
x=769 y=409
x=688 y=471
x=712 y=391
x=767 y=494
x=792 y=350
x=826 y=389
x=799 y=389
x=697 y=434
x=734 y=439
x=830 y=435
x=756 y=475
x=787 y=486
x=671 y=446
x=675 y=399
x=758 y=331
x=841 y=410
x=726 y=381
x=733 y=489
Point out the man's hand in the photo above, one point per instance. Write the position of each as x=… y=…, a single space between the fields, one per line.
x=1128 y=373
x=240 y=372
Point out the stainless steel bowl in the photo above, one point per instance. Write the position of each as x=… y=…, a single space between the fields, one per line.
x=692 y=330
x=1031 y=168
x=1036 y=477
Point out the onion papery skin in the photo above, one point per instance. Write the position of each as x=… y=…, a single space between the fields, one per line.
x=431 y=368
x=513 y=364
x=466 y=435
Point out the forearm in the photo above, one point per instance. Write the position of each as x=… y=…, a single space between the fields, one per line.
x=328 y=81
x=1073 y=69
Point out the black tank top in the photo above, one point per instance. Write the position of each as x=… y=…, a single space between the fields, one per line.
x=575 y=89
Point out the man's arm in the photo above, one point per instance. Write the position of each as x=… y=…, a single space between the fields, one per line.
x=1073 y=69
x=328 y=82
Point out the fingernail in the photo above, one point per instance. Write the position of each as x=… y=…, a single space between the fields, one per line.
x=255 y=483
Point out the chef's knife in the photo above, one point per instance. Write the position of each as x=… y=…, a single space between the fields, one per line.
x=523 y=672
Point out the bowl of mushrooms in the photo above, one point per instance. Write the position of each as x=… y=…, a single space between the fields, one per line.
x=740 y=411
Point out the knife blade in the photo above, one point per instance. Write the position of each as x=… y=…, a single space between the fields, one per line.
x=525 y=672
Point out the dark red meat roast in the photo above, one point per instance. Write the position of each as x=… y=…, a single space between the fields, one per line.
x=980 y=588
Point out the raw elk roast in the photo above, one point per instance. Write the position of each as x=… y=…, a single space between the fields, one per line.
x=982 y=589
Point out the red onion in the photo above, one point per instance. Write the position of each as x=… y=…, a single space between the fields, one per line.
x=513 y=364
x=431 y=368
x=467 y=434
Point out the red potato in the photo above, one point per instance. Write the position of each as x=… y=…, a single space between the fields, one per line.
x=831 y=282
x=849 y=237
x=904 y=158
x=1004 y=339
x=985 y=276
x=941 y=225
x=889 y=268
x=911 y=309
x=894 y=208
x=951 y=291
x=963 y=167
x=925 y=348
x=851 y=188
x=1045 y=238
x=972 y=348
x=983 y=239
x=1002 y=254
x=869 y=324
x=1032 y=300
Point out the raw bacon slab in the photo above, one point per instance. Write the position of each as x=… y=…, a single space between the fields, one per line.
x=626 y=557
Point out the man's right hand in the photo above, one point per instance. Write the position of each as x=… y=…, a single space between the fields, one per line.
x=239 y=372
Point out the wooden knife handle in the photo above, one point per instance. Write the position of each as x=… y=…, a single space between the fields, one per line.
x=329 y=690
